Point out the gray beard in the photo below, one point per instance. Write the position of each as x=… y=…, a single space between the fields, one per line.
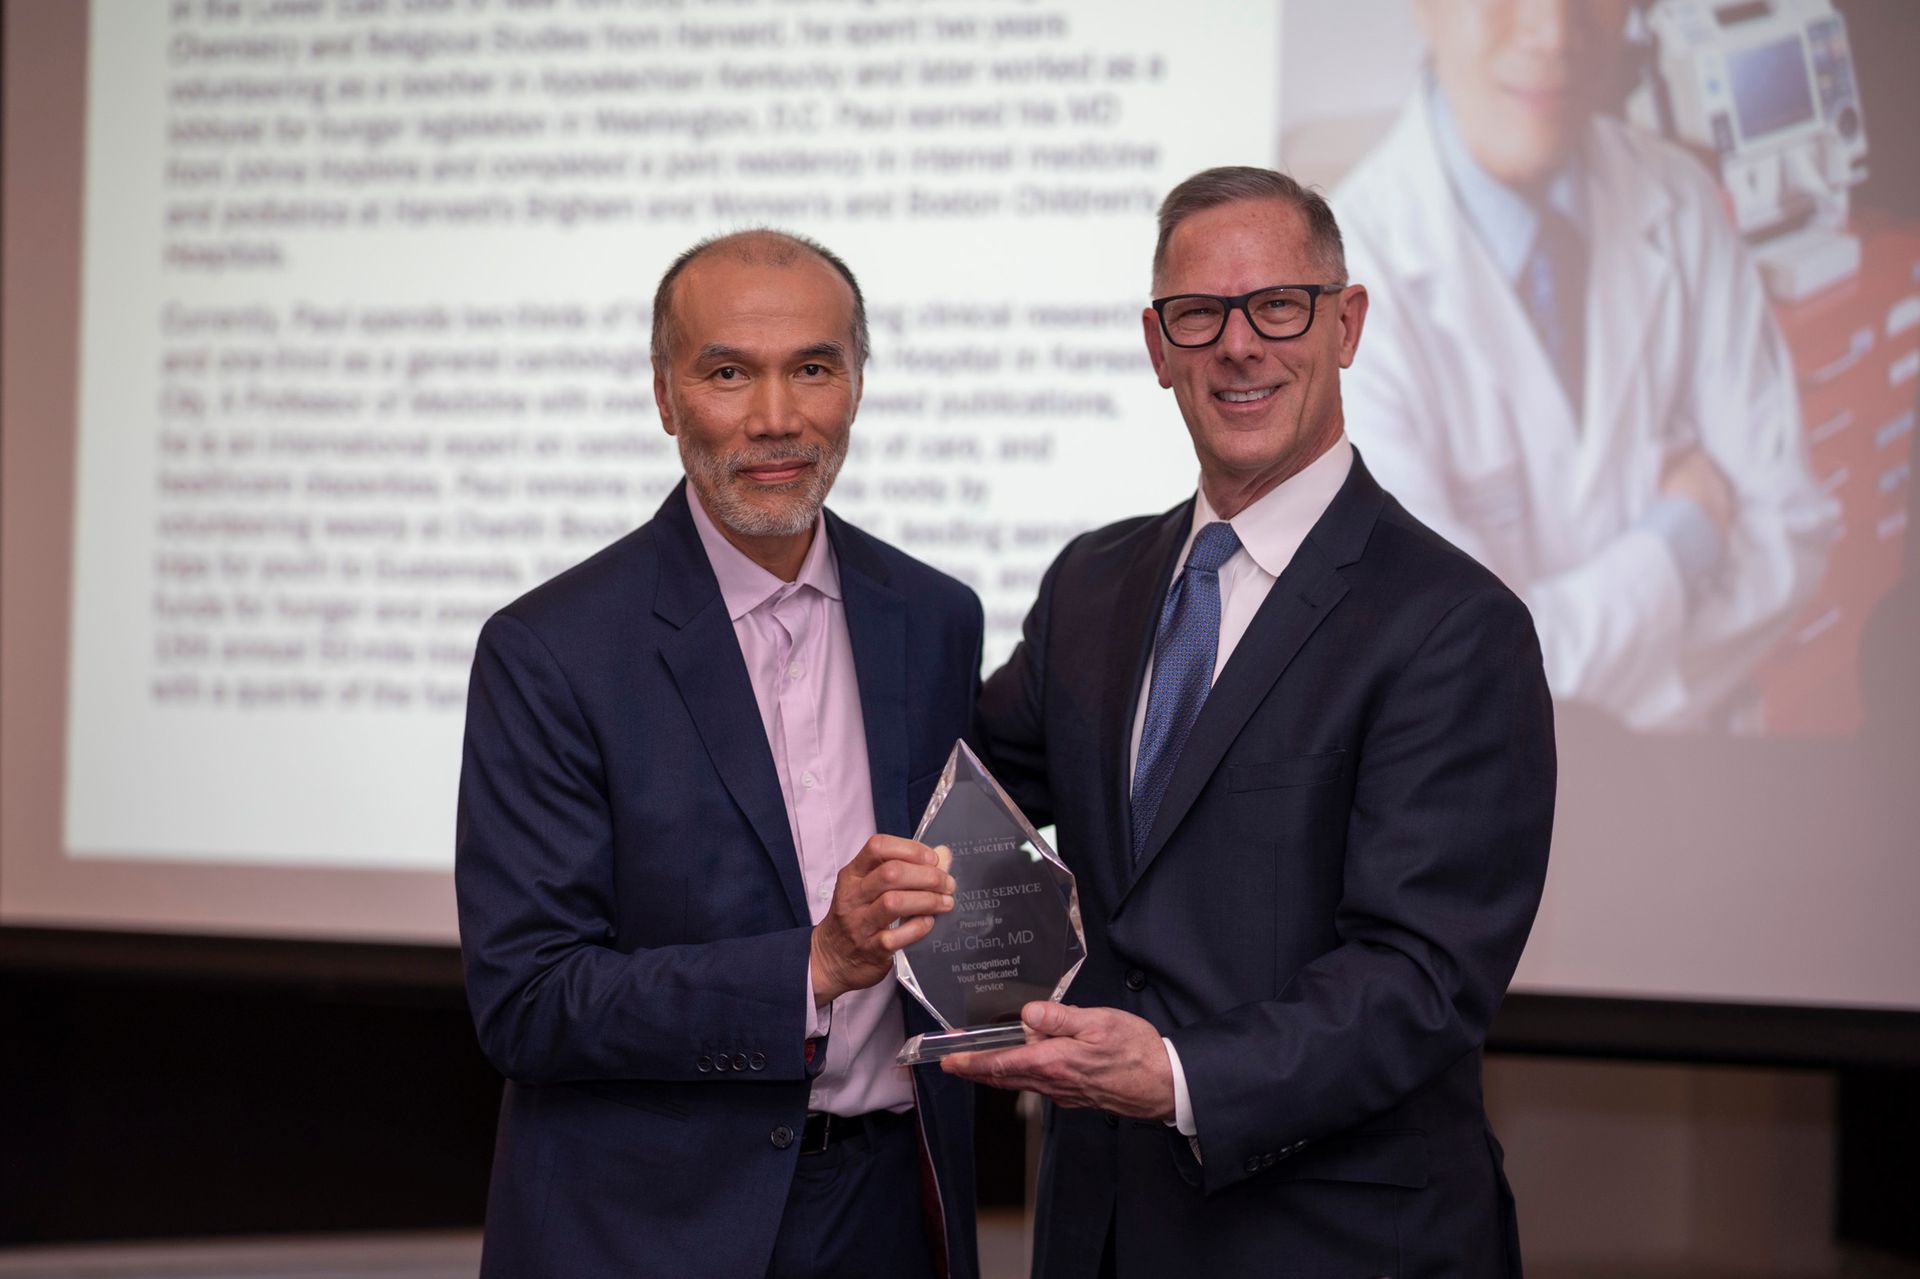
x=712 y=476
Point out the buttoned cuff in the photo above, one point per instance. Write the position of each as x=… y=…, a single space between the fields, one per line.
x=1182 y=1103
x=819 y=1017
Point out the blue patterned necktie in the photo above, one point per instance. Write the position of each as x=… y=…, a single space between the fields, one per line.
x=1554 y=286
x=1183 y=652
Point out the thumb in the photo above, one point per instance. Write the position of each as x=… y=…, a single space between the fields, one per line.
x=1048 y=1018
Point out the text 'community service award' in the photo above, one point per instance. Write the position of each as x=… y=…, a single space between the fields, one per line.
x=1013 y=934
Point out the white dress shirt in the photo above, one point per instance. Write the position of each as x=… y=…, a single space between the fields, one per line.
x=1270 y=531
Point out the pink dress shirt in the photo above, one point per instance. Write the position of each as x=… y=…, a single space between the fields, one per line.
x=799 y=658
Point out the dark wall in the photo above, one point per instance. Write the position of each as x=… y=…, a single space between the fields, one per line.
x=179 y=1087
x=191 y=1087
x=1879 y=1179
x=152 y=1107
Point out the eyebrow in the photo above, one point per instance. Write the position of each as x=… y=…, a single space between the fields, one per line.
x=719 y=352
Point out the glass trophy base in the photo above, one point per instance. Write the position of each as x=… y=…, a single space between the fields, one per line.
x=937 y=1044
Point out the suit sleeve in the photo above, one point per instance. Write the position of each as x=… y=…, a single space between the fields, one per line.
x=552 y=998
x=974 y=628
x=1445 y=859
x=1010 y=724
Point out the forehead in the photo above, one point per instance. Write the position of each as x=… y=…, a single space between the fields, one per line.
x=720 y=298
x=1238 y=246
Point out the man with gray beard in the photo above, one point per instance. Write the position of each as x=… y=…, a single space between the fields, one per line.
x=691 y=766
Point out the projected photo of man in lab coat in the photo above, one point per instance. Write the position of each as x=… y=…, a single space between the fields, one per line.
x=1572 y=370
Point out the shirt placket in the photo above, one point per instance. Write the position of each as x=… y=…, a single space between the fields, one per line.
x=807 y=767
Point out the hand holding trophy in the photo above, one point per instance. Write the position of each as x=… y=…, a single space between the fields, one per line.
x=1014 y=933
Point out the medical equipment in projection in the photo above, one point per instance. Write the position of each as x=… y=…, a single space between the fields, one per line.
x=1767 y=87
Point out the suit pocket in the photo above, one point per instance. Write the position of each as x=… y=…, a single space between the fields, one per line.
x=1297 y=770
x=1376 y=1158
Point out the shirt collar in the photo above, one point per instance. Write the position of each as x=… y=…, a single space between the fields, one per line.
x=1271 y=530
x=1505 y=220
x=744 y=585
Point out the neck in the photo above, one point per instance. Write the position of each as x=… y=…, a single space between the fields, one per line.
x=781 y=554
x=1229 y=494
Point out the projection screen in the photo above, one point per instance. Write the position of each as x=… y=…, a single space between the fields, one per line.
x=326 y=335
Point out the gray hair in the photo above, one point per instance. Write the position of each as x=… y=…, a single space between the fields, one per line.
x=1211 y=188
x=760 y=246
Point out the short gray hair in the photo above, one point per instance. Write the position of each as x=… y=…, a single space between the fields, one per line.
x=1211 y=188
x=760 y=246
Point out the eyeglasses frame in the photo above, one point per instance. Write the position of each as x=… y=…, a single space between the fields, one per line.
x=1238 y=303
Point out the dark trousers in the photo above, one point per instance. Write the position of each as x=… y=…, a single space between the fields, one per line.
x=854 y=1212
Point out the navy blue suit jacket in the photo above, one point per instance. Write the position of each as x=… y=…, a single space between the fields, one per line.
x=632 y=920
x=1327 y=911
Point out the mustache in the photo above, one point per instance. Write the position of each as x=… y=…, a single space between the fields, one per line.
x=766 y=454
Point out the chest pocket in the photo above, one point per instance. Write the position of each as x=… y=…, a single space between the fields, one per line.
x=1294 y=803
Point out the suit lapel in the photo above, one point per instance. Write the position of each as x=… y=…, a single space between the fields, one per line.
x=1130 y=622
x=1301 y=598
x=703 y=656
x=877 y=627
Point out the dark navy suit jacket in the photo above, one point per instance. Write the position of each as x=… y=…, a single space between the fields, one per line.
x=1327 y=910
x=632 y=919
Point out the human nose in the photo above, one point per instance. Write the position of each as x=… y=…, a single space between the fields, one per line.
x=1543 y=24
x=775 y=410
x=1238 y=341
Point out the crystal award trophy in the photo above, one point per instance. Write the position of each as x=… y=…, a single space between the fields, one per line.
x=1013 y=934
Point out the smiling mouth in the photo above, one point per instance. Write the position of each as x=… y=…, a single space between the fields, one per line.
x=1547 y=98
x=1246 y=397
x=781 y=472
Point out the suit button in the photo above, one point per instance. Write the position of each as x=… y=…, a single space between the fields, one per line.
x=1252 y=1164
x=757 y=1062
x=1113 y=1121
x=1136 y=980
x=704 y=1065
x=739 y=1061
x=782 y=1137
x=1267 y=1161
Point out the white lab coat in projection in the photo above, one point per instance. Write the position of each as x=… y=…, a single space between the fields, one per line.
x=1458 y=410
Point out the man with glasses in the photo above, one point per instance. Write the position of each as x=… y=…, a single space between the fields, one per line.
x=1299 y=752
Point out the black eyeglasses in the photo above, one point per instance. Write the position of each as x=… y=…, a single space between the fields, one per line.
x=1276 y=312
